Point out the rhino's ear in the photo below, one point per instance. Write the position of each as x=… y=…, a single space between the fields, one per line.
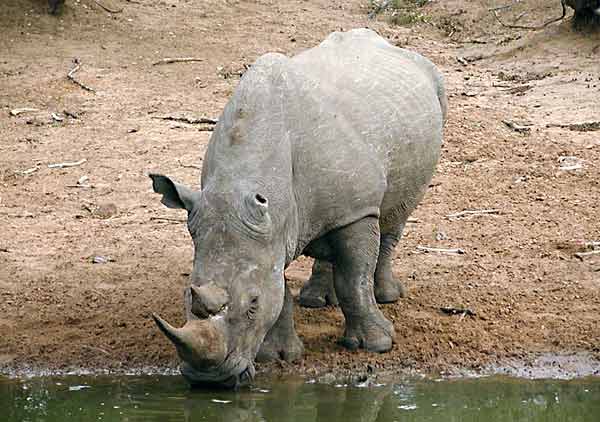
x=258 y=205
x=257 y=212
x=174 y=194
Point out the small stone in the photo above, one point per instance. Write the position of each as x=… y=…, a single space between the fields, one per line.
x=440 y=235
x=99 y=259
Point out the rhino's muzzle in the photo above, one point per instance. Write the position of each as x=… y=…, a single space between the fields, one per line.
x=227 y=375
x=199 y=343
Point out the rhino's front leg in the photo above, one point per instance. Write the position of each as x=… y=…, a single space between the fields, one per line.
x=356 y=248
x=282 y=342
x=318 y=291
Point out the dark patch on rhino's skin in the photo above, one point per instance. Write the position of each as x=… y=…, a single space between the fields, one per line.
x=235 y=135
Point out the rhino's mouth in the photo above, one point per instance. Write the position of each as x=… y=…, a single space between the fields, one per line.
x=231 y=373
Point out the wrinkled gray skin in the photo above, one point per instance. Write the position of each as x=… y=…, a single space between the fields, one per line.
x=324 y=154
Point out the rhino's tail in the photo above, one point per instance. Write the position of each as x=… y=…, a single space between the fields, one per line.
x=441 y=93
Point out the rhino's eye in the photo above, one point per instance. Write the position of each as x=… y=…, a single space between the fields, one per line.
x=253 y=308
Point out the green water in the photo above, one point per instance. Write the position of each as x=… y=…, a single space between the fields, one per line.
x=168 y=398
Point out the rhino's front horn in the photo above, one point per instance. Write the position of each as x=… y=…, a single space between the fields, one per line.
x=198 y=343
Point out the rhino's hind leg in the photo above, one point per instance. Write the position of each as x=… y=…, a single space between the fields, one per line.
x=318 y=291
x=387 y=288
x=282 y=342
x=356 y=248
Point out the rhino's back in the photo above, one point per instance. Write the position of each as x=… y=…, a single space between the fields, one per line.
x=368 y=118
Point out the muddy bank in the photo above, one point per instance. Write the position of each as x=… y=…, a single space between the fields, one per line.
x=60 y=308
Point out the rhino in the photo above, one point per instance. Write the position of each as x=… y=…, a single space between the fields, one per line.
x=324 y=154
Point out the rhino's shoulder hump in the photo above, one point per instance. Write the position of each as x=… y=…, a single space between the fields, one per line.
x=267 y=68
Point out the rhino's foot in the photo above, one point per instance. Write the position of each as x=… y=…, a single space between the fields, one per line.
x=286 y=347
x=373 y=333
x=389 y=290
x=318 y=290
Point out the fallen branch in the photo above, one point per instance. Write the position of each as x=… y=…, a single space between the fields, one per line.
x=517 y=127
x=413 y=220
x=67 y=164
x=71 y=114
x=17 y=111
x=98 y=349
x=4 y=250
x=472 y=213
x=28 y=171
x=506 y=6
x=106 y=8
x=189 y=166
x=577 y=127
x=71 y=76
x=169 y=219
x=531 y=28
x=583 y=255
x=441 y=250
x=571 y=168
x=518 y=89
x=189 y=120
x=169 y=60
x=457 y=311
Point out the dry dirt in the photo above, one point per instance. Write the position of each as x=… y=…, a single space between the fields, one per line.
x=61 y=311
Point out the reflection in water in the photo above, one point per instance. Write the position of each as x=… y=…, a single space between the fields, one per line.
x=169 y=399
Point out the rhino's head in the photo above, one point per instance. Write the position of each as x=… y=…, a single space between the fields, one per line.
x=237 y=287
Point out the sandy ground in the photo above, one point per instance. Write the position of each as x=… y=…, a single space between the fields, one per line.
x=531 y=295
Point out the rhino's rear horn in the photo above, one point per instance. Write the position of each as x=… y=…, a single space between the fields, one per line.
x=208 y=300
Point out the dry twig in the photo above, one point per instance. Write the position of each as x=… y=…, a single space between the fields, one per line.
x=177 y=60
x=169 y=219
x=583 y=255
x=189 y=120
x=71 y=76
x=98 y=349
x=577 y=127
x=457 y=311
x=189 y=166
x=472 y=213
x=17 y=111
x=456 y=251
x=531 y=28
x=106 y=8
x=517 y=127
x=28 y=171
x=67 y=164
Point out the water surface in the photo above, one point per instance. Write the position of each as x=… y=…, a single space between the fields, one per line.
x=168 y=398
